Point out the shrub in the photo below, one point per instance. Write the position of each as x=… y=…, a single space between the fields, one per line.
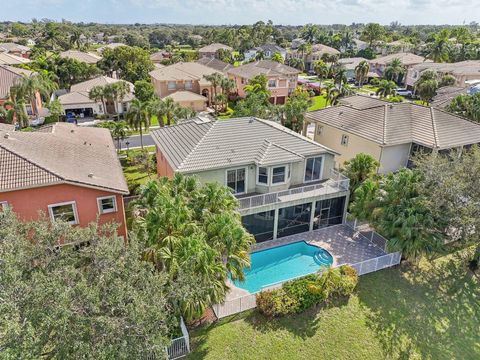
x=349 y=280
x=304 y=292
x=396 y=99
x=374 y=81
x=274 y=303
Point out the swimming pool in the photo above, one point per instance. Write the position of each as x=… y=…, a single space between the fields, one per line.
x=271 y=266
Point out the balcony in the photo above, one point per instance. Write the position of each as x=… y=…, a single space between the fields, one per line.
x=337 y=183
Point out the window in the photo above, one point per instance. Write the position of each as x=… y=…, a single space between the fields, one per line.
x=263 y=175
x=188 y=84
x=278 y=175
x=64 y=211
x=124 y=107
x=172 y=85
x=236 y=180
x=107 y=204
x=319 y=130
x=272 y=83
x=344 y=140
x=313 y=169
x=3 y=205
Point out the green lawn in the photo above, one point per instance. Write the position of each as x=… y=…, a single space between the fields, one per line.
x=134 y=172
x=319 y=102
x=429 y=313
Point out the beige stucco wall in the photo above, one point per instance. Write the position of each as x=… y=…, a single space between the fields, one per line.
x=296 y=175
x=331 y=137
x=394 y=157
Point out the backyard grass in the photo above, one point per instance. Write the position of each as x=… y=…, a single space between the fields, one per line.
x=135 y=173
x=429 y=312
x=318 y=102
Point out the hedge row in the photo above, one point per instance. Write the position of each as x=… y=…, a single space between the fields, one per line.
x=298 y=295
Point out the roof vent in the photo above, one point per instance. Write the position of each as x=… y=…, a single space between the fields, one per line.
x=251 y=120
x=340 y=113
x=72 y=131
x=390 y=106
x=6 y=136
x=90 y=175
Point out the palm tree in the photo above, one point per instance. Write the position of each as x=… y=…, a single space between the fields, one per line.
x=227 y=85
x=395 y=71
x=321 y=70
x=340 y=77
x=138 y=117
x=332 y=94
x=427 y=85
x=260 y=55
x=358 y=169
x=361 y=72
x=386 y=88
x=119 y=132
x=14 y=111
x=28 y=87
x=120 y=90
x=277 y=57
x=215 y=79
x=97 y=93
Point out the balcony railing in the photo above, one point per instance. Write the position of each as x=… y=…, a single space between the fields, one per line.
x=337 y=183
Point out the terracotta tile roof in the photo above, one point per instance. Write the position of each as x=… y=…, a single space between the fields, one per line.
x=398 y=123
x=182 y=71
x=60 y=153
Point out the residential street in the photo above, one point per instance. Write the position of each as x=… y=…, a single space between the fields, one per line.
x=134 y=141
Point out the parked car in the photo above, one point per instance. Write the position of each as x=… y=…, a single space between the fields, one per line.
x=404 y=92
x=70 y=118
x=37 y=121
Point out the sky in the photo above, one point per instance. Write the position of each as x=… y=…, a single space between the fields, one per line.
x=229 y=12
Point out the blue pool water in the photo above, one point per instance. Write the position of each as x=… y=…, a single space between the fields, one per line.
x=282 y=263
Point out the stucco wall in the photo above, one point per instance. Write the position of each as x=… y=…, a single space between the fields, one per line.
x=29 y=202
x=331 y=137
x=163 y=167
x=394 y=158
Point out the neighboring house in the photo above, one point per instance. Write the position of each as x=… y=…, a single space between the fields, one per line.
x=296 y=43
x=268 y=50
x=10 y=59
x=215 y=64
x=359 y=45
x=86 y=57
x=110 y=46
x=398 y=46
x=77 y=101
x=282 y=79
x=284 y=181
x=189 y=99
x=183 y=76
x=66 y=172
x=16 y=49
x=350 y=64
x=9 y=76
x=315 y=54
x=160 y=56
x=408 y=60
x=463 y=71
x=390 y=132
x=211 y=51
x=446 y=94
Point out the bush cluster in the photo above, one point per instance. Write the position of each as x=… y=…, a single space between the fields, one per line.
x=298 y=295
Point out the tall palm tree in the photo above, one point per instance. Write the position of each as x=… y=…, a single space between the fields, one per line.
x=361 y=72
x=395 y=71
x=359 y=169
x=29 y=87
x=332 y=94
x=386 y=88
x=227 y=85
x=321 y=70
x=340 y=77
x=138 y=117
x=97 y=93
x=14 y=111
x=215 y=79
x=119 y=132
x=120 y=90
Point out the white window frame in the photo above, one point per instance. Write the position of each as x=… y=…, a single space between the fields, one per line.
x=75 y=212
x=246 y=179
x=108 y=211
x=285 y=179
x=344 y=141
x=258 y=175
x=174 y=87
x=321 y=168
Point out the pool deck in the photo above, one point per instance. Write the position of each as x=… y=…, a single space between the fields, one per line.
x=345 y=245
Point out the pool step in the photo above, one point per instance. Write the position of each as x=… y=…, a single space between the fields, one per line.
x=322 y=258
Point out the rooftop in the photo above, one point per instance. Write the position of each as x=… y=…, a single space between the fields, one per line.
x=215 y=64
x=398 y=123
x=75 y=97
x=214 y=48
x=86 y=86
x=182 y=71
x=60 y=153
x=8 y=76
x=468 y=67
x=10 y=59
x=12 y=47
x=86 y=57
x=186 y=96
x=266 y=67
x=197 y=145
x=407 y=59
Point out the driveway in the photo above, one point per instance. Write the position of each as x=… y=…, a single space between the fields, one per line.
x=134 y=141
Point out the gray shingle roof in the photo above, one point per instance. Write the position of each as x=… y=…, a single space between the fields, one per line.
x=398 y=123
x=194 y=145
x=61 y=153
x=8 y=76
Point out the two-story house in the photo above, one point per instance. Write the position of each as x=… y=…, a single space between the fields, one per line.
x=267 y=51
x=408 y=60
x=310 y=57
x=211 y=51
x=187 y=77
x=65 y=172
x=282 y=79
x=285 y=182
x=392 y=133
